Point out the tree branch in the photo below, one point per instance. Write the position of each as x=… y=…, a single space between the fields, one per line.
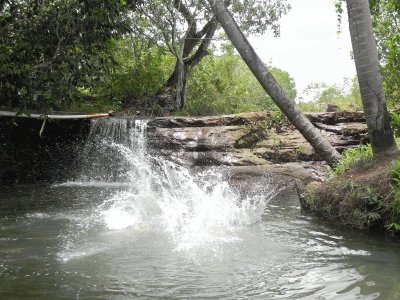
x=205 y=29
x=185 y=12
x=47 y=63
x=202 y=51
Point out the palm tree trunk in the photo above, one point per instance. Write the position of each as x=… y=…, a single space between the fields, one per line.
x=369 y=77
x=270 y=85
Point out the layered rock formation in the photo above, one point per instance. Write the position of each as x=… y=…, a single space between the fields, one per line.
x=264 y=139
x=250 y=139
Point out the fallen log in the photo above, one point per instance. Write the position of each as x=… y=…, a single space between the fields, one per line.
x=4 y=113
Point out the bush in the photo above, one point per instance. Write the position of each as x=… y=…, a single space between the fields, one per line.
x=224 y=85
x=345 y=97
x=351 y=157
x=395 y=123
x=393 y=201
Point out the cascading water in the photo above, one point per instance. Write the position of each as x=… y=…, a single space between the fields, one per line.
x=198 y=211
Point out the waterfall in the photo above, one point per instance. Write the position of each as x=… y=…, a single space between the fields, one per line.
x=194 y=210
x=113 y=151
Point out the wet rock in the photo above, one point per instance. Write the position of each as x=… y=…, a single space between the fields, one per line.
x=332 y=108
x=251 y=139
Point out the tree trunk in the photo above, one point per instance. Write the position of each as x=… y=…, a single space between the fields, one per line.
x=180 y=85
x=270 y=85
x=178 y=79
x=369 y=77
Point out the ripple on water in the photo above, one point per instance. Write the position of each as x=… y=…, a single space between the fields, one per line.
x=162 y=231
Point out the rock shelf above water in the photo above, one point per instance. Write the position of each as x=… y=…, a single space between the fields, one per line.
x=250 y=138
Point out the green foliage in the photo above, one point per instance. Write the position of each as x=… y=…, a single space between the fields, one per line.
x=50 y=49
x=224 y=85
x=363 y=205
x=139 y=72
x=396 y=173
x=386 y=15
x=351 y=157
x=393 y=201
x=395 y=123
x=320 y=95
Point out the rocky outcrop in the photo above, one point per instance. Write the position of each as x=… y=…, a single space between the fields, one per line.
x=250 y=139
x=247 y=145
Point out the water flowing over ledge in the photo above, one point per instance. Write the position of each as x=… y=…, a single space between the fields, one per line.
x=196 y=209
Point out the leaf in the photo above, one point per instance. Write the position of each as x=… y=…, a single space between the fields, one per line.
x=393 y=226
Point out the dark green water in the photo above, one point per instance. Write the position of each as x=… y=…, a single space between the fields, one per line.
x=64 y=242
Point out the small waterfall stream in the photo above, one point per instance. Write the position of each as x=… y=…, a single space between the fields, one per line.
x=195 y=210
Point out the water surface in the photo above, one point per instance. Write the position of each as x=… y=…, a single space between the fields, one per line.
x=55 y=243
x=133 y=225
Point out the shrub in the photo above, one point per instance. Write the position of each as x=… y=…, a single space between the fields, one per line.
x=351 y=157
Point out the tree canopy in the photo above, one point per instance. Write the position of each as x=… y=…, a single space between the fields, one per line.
x=386 y=16
x=49 y=49
x=144 y=54
x=186 y=28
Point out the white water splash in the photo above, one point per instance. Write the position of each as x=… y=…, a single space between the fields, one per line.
x=194 y=210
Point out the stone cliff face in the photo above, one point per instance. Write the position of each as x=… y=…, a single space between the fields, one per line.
x=249 y=139
x=255 y=144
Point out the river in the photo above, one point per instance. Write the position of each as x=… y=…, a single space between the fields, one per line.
x=136 y=226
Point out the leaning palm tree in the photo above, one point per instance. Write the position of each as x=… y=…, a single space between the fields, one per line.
x=270 y=85
x=369 y=77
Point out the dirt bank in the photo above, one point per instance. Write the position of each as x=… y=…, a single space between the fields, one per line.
x=363 y=197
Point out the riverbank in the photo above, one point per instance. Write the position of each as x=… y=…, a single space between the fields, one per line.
x=365 y=197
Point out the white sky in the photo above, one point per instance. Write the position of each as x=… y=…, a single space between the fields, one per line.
x=309 y=47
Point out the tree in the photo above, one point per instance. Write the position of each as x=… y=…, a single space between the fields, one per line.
x=286 y=105
x=49 y=49
x=318 y=96
x=187 y=28
x=223 y=84
x=369 y=77
x=386 y=15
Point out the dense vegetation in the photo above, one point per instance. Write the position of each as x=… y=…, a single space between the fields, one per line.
x=101 y=55
x=386 y=16
x=51 y=50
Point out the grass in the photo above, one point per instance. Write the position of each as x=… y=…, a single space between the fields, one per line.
x=364 y=192
x=352 y=157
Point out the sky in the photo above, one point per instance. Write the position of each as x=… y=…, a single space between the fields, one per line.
x=309 y=47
